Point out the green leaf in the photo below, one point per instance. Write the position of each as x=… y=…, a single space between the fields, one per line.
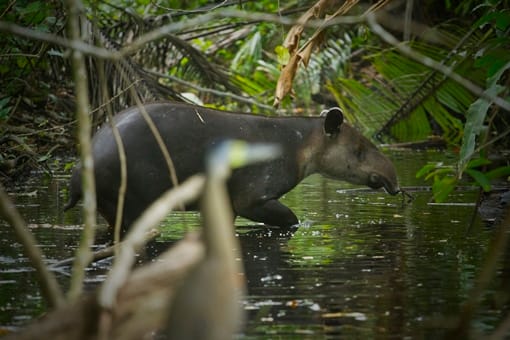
x=282 y=54
x=425 y=170
x=502 y=19
x=480 y=178
x=503 y=171
x=441 y=171
x=475 y=163
x=248 y=54
x=4 y=102
x=493 y=61
x=443 y=187
x=492 y=81
x=476 y=116
x=485 y=19
x=69 y=166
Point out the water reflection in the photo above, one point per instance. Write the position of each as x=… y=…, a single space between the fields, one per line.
x=361 y=264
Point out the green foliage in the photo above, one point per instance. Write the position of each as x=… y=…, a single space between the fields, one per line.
x=372 y=101
x=5 y=108
x=495 y=60
x=476 y=116
x=248 y=54
x=22 y=59
x=446 y=177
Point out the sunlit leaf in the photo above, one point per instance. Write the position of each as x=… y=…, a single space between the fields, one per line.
x=441 y=171
x=282 y=54
x=443 y=187
x=425 y=170
x=248 y=55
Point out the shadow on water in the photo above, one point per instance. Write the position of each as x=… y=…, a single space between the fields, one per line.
x=361 y=264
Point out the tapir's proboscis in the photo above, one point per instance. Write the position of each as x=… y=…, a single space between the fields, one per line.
x=324 y=144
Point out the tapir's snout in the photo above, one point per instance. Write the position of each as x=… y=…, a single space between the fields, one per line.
x=390 y=184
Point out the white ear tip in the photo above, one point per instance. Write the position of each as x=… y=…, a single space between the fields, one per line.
x=326 y=111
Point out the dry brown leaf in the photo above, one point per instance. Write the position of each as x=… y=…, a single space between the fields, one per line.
x=306 y=51
x=284 y=84
x=292 y=39
x=294 y=35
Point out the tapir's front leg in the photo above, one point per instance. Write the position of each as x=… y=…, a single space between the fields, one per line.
x=271 y=212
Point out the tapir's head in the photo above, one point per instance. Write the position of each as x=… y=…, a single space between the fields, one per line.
x=347 y=155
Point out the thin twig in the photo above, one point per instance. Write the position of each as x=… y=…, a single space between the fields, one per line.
x=215 y=92
x=101 y=254
x=162 y=31
x=77 y=45
x=79 y=71
x=157 y=137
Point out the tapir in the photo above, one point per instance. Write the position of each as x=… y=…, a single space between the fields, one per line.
x=322 y=144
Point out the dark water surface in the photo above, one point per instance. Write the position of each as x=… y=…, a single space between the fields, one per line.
x=361 y=265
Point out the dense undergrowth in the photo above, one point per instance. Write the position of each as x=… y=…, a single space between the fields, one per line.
x=235 y=64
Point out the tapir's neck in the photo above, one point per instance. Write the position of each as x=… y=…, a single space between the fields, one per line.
x=309 y=147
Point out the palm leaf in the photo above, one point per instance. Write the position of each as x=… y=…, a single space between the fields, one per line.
x=405 y=96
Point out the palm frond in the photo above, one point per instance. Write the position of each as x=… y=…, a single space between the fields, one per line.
x=402 y=97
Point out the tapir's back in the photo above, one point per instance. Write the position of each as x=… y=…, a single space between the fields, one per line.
x=187 y=132
x=322 y=144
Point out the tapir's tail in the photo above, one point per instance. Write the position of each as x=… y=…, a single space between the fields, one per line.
x=74 y=190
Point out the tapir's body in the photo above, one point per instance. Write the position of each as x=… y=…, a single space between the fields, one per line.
x=310 y=145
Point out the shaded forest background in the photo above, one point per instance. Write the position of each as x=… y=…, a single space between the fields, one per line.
x=390 y=73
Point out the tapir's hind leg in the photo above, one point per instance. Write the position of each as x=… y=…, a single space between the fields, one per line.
x=272 y=213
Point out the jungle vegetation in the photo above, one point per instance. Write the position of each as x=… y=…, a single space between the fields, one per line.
x=406 y=73
x=235 y=63
x=401 y=71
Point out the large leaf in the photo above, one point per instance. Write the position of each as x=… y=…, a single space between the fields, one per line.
x=406 y=86
x=443 y=187
x=248 y=55
x=480 y=178
x=476 y=116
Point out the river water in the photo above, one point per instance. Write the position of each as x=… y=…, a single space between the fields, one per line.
x=362 y=264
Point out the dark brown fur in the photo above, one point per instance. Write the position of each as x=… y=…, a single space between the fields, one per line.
x=322 y=145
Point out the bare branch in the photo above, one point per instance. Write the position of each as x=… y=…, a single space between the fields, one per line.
x=77 y=45
x=230 y=13
x=239 y=98
x=161 y=32
x=79 y=71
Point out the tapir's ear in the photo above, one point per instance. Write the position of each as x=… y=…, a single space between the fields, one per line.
x=334 y=118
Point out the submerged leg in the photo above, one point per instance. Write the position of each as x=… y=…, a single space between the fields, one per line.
x=272 y=213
